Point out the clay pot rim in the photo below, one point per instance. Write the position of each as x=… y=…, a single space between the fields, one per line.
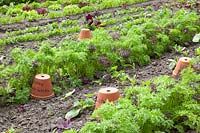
x=110 y=94
x=108 y=90
x=42 y=97
x=42 y=76
x=185 y=59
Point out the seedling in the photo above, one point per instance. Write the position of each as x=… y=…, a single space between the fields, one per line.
x=172 y=63
x=181 y=50
x=83 y=104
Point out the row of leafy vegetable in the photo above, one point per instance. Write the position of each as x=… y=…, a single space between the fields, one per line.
x=71 y=22
x=21 y=12
x=55 y=28
x=69 y=63
x=65 y=27
x=55 y=9
x=162 y=104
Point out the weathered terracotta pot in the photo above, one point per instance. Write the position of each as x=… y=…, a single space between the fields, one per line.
x=108 y=93
x=85 y=34
x=42 y=87
x=182 y=63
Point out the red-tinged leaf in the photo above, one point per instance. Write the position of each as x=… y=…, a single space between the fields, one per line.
x=85 y=80
x=91 y=48
x=89 y=19
x=26 y=8
x=124 y=6
x=104 y=61
x=197 y=4
x=21 y=108
x=88 y=16
x=82 y=4
x=41 y=11
x=187 y=6
x=63 y=124
x=97 y=23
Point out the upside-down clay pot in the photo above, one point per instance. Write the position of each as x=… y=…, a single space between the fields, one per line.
x=85 y=34
x=42 y=87
x=108 y=93
x=183 y=62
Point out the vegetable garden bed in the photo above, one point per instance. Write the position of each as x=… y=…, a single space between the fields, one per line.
x=131 y=45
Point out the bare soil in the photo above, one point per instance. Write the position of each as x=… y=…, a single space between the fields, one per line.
x=42 y=115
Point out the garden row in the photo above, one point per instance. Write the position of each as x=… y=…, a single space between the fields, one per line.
x=162 y=104
x=69 y=63
x=71 y=26
x=55 y=9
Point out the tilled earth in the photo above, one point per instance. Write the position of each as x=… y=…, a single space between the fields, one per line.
x=41 y=116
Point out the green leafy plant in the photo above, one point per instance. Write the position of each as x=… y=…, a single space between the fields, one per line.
x=12 y=130
x=161 y=104
x=72 y=113
x=55 y=7
x=83 y=104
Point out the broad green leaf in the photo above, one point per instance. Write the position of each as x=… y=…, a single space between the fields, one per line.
x=73 y=113
x=68 y=94
x=196 y=38
x=172 y=63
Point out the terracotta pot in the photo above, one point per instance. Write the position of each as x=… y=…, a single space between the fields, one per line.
x=85 y=34
x=182 y=63
x=109 y=93
x=42 y=87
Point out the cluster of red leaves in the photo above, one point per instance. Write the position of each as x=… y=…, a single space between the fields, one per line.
x=90 y=20
x=82 y=4
x=124 y=6
x=104 y=61
x=39 y=10
x=26 y=8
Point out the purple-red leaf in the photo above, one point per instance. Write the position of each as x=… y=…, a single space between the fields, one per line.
x=41 y=11
x=85 y=80
x=104 y=61
x=64 y=124
x=97 y=23
x=21 y=108
x=124 y=6
x=89 y=19
x=26 y=8
x=187 y=6
x=82 y=4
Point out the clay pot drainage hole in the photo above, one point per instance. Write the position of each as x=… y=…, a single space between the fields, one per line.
x=110 y=94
